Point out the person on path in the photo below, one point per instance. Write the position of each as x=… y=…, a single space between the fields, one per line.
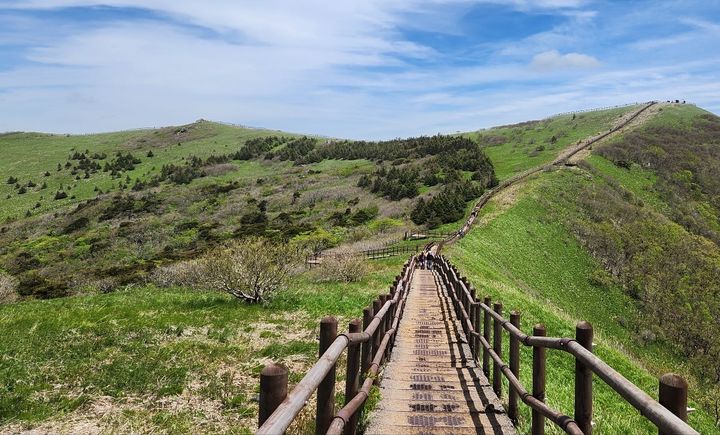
x=430 y=257
x=421 y=260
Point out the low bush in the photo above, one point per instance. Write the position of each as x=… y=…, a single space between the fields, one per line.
x=251 y=269
x=343 y=266
x=182 y=273
x=36 y=285
x=8 y=288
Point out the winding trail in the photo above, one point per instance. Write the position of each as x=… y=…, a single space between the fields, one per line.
x=628 y=121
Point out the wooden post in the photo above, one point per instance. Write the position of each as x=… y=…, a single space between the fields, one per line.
x=514 y=367
x=326 y=389
x=471 y=315
x=477 y=324
x=538 y=377
x=486 y=336
x=377 y=306
x=273 y=390
x=463 y=295
x=673 y=395
x=497 y=347
x=352 y=377
x=583 y=380
x=366 y=357
x=388 y=323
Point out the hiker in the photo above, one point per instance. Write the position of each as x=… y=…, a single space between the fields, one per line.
x=429 y=259
x=421 y=260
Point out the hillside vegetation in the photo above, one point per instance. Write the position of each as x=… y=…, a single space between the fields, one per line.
x=91 y=213
x=524 y=257
x=112 y=208
x=162 y=360
x=612 y=244
x=519 y=147
x=128 y=353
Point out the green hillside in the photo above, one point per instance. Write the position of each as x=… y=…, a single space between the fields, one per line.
x=29 y=156
x=127 y=343
x=612 y=244
x=525 y=259
x=519 y=147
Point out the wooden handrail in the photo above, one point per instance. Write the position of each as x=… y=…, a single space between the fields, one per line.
x=281 y=417
x=664 y=419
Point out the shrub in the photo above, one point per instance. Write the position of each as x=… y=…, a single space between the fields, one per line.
x=76 y=225
x=8 y=288
x=316 y=240
x=182 y=273
x=343 y=266
x=34 y=284
x=251 y=269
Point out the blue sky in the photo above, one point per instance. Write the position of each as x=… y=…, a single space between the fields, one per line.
x=351 y=68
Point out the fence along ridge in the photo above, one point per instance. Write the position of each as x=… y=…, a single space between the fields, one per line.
x=669 y=415
x=367 y=351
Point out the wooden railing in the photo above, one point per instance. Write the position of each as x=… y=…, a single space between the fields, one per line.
x=483 y=324
x=368 y=348
x=313 y=260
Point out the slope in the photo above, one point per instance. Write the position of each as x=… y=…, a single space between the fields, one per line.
x=599 y=243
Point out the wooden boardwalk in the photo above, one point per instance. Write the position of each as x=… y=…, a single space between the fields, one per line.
x=432 y=385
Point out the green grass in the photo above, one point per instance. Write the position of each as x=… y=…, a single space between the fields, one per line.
x=639 y=181
x=525 y=258
x=27 y=156
x=146 y=345
x=520 y=148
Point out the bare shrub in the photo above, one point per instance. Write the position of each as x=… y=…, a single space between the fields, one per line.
x=86 y=285
x=183 y=273
x=219 y=169
x=342 y=266
x=359 y=233
x=251 y=269
x=8 y=288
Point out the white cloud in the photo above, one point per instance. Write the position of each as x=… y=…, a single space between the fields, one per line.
x=552 y=60
x=336 y=68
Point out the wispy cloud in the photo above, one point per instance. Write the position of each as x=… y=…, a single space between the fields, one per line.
x=355 y=68
x=552 y=60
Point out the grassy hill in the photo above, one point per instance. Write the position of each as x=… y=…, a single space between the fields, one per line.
x=147 y=359
x=29 y=156
x=123 y=354
x=622 y=245
x=519 y=147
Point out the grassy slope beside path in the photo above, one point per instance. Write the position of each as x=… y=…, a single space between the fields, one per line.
x=155 y=360
x=526 y=259
x=517 y=148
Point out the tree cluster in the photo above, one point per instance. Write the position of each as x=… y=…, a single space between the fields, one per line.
x=255 y=147
x=447 y=206
x=121 y=162
x=297 y=149
x=348 y=218
x=394 y=184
